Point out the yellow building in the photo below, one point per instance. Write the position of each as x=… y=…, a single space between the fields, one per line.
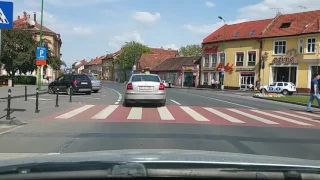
x=291 y=46
x=241 y=45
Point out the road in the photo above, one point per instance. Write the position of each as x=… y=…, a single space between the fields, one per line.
x=192 y=119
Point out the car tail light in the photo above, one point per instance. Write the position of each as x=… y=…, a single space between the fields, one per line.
x=74 y=82
x=161 y=87
x=129 y=86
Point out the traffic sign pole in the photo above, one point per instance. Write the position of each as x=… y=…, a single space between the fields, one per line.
x=39 y=67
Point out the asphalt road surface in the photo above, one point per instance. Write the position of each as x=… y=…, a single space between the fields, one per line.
x=192 y=119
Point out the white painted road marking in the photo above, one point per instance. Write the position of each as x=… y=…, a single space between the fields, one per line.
x=105 y=112
x=175 y=101
x=196 y=116
x=119 y=95
x=74 y=112
x=224 y=116
x=294 y=115
x=165 y=113
x=135 y=113
x=253 y=117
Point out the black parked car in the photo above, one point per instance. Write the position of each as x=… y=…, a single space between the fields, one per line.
x=78 y=82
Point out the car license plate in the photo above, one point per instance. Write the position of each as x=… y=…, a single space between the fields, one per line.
x=145 y=88
x=84 y=83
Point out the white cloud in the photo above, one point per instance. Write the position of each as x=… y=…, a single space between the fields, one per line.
x=267 y=8
x=119 y=40
x=209 y=28
x=82 y=30
x=171 y=46
x=210 y=4
x=146 y=17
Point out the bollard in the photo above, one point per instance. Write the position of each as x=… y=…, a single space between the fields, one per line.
x=57 y=98
x=8 y=105
x=37 y=101
x=70 y=93
x=25 y=93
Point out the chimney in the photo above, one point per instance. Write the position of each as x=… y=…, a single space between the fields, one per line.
x=18 y=17
x=34 y=16
x=24 y=15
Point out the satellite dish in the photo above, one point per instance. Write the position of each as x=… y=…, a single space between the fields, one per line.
x=31 y=22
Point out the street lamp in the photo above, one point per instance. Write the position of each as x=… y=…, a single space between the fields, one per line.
x=39 y=67
x=224 y=46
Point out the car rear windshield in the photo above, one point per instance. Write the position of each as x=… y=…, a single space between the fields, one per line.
x=137 y=78
x=81 y=78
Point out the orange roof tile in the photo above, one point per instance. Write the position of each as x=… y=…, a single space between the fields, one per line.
x=96 y=61
x=82 y=63
x=164 y=51
x=244 y=30
x=149 y=61
x=23 y=20
x=299 y=23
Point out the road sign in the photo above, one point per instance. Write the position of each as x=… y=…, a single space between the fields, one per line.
x=6 y=15
x=41 y=56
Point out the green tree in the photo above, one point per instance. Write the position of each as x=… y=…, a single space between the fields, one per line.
x=18 y=51
x=131 y=52
x=190 y=50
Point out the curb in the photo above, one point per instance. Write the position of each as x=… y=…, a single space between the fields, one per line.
x=284 y=101
x=12 y=122
x=20 y=96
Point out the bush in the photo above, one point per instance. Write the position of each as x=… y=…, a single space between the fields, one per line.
x=27 y=80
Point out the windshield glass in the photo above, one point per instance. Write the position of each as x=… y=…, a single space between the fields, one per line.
x=140 y=78
x=152 y=78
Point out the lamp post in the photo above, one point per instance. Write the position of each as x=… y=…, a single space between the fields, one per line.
x=39 y=67
x=224 y=53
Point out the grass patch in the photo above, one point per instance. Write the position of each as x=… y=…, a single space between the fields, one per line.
x=299 y=99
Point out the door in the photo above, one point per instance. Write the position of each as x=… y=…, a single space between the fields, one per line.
x=65 y=83
x=58 y=82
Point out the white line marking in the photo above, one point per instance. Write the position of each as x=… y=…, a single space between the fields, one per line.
x=9 y=130
x=297 y=116
x=116 y=103
x=282 y=118
x=119 y=94
x=74 y=112
x=165 y=113
x=175 y=101
x=309 y=114
x=224 y=116
x=257 y=118
x=135 y=113
x=53 y=153
x=105 y=112
x=193 y=114
x=220 y=100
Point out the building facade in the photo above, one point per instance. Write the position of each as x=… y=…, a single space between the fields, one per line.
x=291 y=50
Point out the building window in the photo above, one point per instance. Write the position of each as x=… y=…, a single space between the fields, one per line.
x=222 y=59
x=252 y=56
x=206 y=60
x=205 y=78
x=239 y=58
x=213 y=76
x=214 y=60
x=311 y=45
x=279 y=47
x=300 y=46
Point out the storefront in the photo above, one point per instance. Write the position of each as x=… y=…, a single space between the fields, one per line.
x=246 y=77
x=189 y=75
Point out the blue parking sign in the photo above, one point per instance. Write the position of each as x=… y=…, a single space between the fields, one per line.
x=41 y=53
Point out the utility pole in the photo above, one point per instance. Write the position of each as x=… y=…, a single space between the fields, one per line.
x=39 y=67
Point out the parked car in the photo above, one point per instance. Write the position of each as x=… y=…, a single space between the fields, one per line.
x=96 y=84
x=80 y=83
x=280 y=87
x=145 y=88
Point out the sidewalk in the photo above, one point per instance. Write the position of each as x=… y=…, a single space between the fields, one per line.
x=19 y=91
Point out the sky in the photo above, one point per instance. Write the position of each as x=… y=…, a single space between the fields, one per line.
x=91 y=28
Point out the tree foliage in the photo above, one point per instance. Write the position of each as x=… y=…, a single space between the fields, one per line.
x=54 y=61
x=18 y=51
x=190 y=50
x=131 y=52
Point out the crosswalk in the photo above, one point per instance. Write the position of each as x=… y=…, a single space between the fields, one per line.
x=188 y=115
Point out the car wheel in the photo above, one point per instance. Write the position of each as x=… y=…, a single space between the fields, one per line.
x=50 y=90
x=285 y=92
x=69 y=91
x=95 y=91
x=88 y=93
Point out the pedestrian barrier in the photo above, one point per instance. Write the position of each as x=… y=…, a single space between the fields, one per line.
x=57 y=97
x=8 y=105
x=37 y=101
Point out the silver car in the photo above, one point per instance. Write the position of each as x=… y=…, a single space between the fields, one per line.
x=96 y=84
x=145 y=88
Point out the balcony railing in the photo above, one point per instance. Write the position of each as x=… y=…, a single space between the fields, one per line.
x=206 y=64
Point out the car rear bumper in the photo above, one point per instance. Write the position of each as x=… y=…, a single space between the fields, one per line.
x=96 y=87
x=145 y=97
x=78 y=89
